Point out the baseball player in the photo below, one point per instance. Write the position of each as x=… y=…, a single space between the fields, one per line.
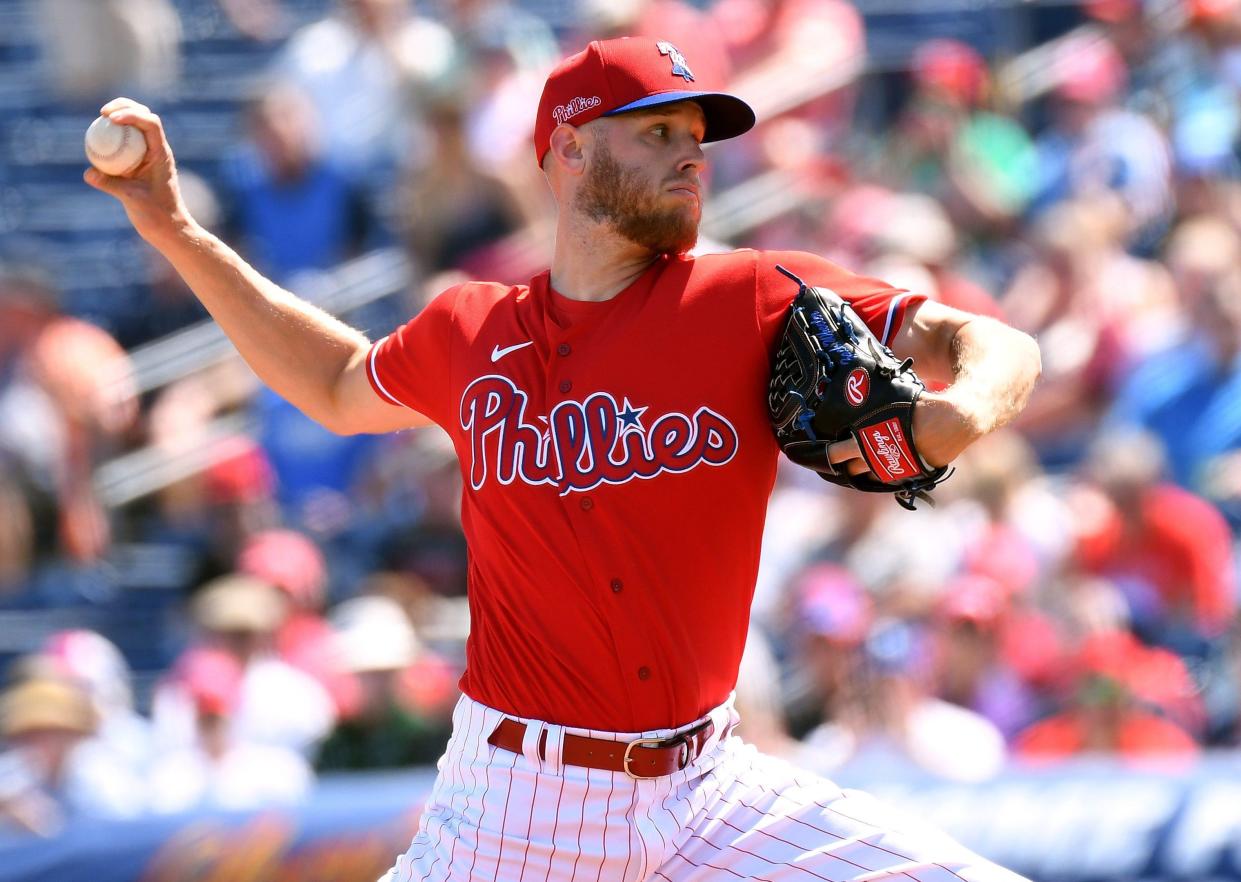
x=617 y=455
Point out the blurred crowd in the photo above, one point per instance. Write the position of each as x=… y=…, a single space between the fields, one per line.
x=1074 y=592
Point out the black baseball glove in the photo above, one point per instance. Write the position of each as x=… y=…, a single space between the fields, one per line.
x=832 y=380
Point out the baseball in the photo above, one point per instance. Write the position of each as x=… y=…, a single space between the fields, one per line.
x=112 y=148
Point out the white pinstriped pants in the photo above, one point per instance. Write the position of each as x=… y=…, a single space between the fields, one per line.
x=731 y=814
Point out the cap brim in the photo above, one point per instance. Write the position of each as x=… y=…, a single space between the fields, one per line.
x=727 y=115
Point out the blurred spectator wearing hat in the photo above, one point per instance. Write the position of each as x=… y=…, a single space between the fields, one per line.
x=884 y=718
x=221 y=769
x=278 y=704
x=53 y=770
x=971 y=622
x=830 y=615
x=404 y=715
x=94 y=663
x=950 y=143
x=1167 y=550
x=293 y=563
x=1118 y=692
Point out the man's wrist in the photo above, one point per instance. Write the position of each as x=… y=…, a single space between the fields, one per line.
x=973 y=420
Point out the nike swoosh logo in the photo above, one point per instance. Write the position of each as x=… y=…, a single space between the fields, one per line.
x=497 y=353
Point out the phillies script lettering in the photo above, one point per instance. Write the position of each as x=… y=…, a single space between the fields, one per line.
x=582 y=444
x=565 y=112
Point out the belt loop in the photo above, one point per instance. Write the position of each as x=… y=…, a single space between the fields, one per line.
x=553 y=749
x=530 y=743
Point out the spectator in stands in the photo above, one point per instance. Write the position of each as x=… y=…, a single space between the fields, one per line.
x=1094 y=144
x=1116 y=687
x=885 y=720
x=288 y=202
x=431 y=546
x=293 y=207
x=366 y=67
x=292 y=562
x=948 y=144
x=278 y=704
x=971 y=670
x=454 y=205
x=220 y=769
x=1168 y=551
x=66 y=394
x=407 y=693
x=97 y=49
x=94 y=663
x=1188 y=394
x=1095 y=308
x=913 y=244
x=53 y=770
x=831 y=614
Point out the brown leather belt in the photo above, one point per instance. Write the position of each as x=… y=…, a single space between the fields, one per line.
x=641 y=758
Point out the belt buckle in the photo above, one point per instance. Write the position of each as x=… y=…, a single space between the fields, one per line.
x=655 y=742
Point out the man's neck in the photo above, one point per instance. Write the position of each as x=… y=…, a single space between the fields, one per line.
x=593 y=263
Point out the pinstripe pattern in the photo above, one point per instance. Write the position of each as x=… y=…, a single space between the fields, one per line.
x=732 y=814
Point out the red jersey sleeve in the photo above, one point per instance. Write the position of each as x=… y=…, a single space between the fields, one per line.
x=880 y=305
x=410 y=367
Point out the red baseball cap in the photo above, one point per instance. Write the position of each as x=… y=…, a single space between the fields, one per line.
x=614 y=76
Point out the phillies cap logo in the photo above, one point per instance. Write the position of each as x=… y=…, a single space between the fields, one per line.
x=565 y=112
x=857 y=387
x=680 y=67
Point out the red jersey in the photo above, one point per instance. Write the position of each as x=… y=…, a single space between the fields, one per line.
x=617 y=460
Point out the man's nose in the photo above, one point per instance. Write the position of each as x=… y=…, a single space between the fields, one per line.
x=693 y=158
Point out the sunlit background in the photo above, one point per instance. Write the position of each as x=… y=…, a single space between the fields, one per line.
x=231 y=640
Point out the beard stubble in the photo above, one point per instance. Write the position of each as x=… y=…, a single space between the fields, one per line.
x=622 y=197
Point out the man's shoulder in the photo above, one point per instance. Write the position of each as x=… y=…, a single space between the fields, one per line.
x=475 y=292
x=761 y=261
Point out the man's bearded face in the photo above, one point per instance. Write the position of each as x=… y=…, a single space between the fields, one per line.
x=625 y=198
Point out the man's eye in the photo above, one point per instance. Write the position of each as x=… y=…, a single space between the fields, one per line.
x=661 y=131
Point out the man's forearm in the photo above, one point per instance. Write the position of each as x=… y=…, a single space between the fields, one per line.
x=297 y=349
x=994 y=371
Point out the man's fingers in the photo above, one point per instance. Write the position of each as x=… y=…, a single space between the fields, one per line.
x=843 y=450
x=847 y=457
x=100 y=181
x=121 y=103
x=856 y=467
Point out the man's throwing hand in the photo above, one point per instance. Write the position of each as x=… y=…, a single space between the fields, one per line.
x=149 y=192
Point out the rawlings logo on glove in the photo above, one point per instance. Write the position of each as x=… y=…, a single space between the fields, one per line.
x=833 y=380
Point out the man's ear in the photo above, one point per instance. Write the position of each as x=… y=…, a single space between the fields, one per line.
x=566 y=148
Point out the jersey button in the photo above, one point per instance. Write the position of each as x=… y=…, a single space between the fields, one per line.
x=644 y=673
x=617 y=585
x=565 y=385
x=587 y=503
x=564 y=349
